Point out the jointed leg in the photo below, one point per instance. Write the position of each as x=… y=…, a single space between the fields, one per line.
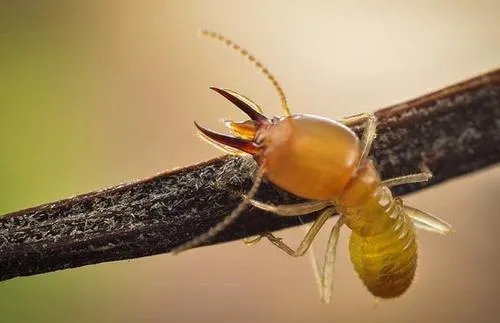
x=424 y=176
x=369 y=133
x=368 y=136
x=252 y=241
x=354 y=119
x=292 y=209
x=308 y=238
x=314 y=262
x=329 y=262
x=317 y=272
x=286 y=210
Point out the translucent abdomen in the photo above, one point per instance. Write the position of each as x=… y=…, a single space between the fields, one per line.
x=384 y=251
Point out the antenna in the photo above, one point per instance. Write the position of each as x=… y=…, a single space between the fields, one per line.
x=229 y=43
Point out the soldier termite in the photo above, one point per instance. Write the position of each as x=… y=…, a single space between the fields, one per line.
x=324 y=161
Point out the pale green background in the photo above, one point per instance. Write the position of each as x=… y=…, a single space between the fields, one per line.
x=95 y=93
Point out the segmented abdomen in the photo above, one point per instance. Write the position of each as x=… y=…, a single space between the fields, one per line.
x=386 y=262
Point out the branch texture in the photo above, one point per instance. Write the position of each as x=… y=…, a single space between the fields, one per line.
x=456 y=130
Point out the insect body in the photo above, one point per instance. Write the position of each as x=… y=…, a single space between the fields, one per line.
x=323 y=160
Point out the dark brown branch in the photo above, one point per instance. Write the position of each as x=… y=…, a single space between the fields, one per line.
x=457 y=130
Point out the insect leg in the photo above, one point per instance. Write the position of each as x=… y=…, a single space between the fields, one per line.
x=329 y=262
x=426 y=221
x=252 y=241
x=317 y=272
x=286 y=210
x=314 y=261
x=354 y=119
x=369 y=133
x=368 y=136
x=292 y=209
x=308 y=238
x=424 y=176
x=227 y=220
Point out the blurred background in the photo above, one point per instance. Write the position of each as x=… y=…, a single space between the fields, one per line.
x=95 y=93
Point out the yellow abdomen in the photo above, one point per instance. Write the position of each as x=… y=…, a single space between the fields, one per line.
x=383 y=246
x=386 y=263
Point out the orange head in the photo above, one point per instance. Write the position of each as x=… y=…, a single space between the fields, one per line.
x=310 y=156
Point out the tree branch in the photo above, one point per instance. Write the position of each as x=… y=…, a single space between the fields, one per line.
x=457 y=131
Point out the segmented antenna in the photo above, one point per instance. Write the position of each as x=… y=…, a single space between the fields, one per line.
x=259 y=65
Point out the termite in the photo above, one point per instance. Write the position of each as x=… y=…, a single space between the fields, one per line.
x=324 y=161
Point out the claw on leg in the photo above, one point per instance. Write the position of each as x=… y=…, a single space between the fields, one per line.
x=252 y=241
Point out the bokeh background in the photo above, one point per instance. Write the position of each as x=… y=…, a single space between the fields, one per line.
x=95 y=93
